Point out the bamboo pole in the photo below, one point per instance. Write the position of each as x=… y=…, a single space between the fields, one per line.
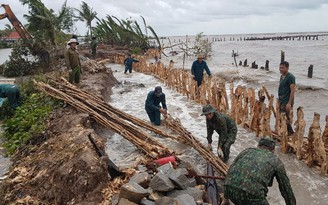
x=299 y=133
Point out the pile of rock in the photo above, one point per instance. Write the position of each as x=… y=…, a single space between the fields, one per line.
x=165 y=186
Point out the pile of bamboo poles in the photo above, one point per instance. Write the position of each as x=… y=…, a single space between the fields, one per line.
x=249 y=110
x=97 y=109
x=186 y=137
x=125 y=124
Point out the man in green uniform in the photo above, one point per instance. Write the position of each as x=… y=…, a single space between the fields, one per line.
x=252 y=172
x=224 y=126
x=128 y=63
x=11 y=92
x=72 y=60
x=197 y=69
x=152 y=107
x=286 y=93
x=93 y=46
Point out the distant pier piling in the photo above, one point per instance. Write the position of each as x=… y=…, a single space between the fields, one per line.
x=282 y=56
x=310 y=71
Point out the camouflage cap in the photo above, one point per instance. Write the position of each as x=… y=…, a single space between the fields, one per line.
x=208 y=109
x=267 y=142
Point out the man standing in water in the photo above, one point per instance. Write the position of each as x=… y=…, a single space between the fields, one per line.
x=197 y=69
x=72 y=60
x=224 y=126
x=286 y=93
x=152 y=107
x=252 y=172
x=128 y=63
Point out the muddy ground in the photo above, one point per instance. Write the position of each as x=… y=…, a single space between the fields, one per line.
x=62 y=166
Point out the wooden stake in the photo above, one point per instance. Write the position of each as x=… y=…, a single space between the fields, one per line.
x=299 y=133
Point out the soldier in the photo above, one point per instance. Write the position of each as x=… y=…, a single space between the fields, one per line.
x=224 y=126
x=152 y=107
x=128 y=63
x=72 y=60
x=252 y=172
x=12 y=93
x=93 y=46
x=197 y=69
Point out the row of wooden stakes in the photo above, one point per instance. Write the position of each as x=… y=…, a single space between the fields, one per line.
x=248 y=109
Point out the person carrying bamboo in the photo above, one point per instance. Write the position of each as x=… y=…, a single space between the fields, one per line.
x=224 y=126
x=197 y=69
x=152 y=107
x=252 y=172
x=72 y=60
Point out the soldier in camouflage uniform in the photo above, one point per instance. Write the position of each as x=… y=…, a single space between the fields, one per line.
x=72 y=60
x=252 y=172
x=224 y=126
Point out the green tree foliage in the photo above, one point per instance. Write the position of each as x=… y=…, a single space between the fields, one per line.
x=44 y=24
x=21 y=62
x=202 y=46
x=86 y=13
x=125 y=33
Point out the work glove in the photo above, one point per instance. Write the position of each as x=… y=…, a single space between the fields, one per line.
x=163 y=111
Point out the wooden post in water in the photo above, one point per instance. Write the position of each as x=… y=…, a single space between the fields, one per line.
x=245 y=63
x=282 y=57
x=299 y=133
x=310 y=71
x=234 y=57
x=266 y=65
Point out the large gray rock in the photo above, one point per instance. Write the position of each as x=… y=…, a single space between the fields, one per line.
x=161 y=182
x=124 y=201
x=178 y=176
x=185 y=199
x=142 y=179
x=197 y=194
x=145 y=201
x=166 y=201
x=133 y=192
x=166 y=168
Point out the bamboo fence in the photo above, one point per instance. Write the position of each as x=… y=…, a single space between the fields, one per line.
x=249 y=110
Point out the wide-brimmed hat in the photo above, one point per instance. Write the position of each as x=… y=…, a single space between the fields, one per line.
x=208 y=109
x=72 y=40
x=200 y=56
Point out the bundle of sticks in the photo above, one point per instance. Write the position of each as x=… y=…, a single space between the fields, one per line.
x=127 y=125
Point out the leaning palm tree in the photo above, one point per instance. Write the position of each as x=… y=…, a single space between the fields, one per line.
x=86 y=14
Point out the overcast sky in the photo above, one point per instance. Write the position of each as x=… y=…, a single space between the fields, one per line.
x=181 y=17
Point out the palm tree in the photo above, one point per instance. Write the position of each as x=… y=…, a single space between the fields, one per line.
x=86 y=14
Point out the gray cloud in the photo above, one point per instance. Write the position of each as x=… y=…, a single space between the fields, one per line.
x=181 y=17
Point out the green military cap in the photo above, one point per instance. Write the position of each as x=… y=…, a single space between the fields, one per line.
x=208 y=109
x=267 y=142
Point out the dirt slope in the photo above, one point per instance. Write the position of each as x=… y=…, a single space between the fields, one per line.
x=62 y=166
